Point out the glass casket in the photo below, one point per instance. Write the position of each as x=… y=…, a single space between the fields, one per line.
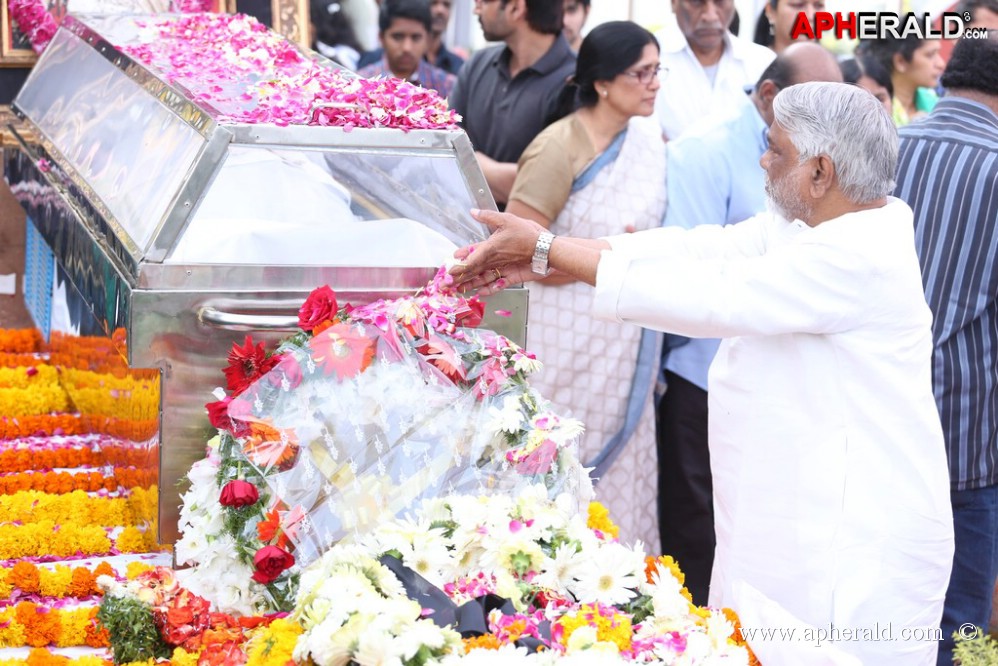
x=178 y=228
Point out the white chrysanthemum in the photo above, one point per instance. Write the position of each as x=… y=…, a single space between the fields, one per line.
x=511 y=552
x=506 y=418
x=414 y=635
x=327 y=644
x=577 y=530
x=347 y=586
x=670 y=609
x=315 y=612
x=374 y=649
x=396 y=534
x=609 y=575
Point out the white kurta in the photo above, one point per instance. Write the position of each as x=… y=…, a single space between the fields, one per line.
x=831 y=489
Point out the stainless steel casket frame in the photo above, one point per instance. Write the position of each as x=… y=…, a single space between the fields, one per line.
x=121 y=231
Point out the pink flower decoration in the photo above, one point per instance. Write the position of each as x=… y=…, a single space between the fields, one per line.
x=34 y=20
x=241 y=72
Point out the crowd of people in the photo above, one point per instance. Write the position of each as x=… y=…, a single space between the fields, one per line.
x=788 y=368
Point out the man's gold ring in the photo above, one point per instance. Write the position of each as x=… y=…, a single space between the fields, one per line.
x=498 y=274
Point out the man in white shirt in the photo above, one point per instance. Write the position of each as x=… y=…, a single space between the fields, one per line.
x=831 y=487
x=708 y=67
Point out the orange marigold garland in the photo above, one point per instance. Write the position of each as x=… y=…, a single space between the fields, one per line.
x=33 y=625
x=20 y=340
x=61 y=483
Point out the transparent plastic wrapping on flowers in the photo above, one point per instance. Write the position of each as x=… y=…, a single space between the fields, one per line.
x=362 y=424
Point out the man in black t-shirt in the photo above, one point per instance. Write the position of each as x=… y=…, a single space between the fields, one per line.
x=505 y=93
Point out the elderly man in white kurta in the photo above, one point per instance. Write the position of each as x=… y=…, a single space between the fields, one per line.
x=831 y=495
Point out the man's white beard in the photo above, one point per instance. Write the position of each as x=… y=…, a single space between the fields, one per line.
x=786 y=203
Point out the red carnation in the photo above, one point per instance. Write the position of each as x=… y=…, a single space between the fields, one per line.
x=270 y=562
x=238 y=493
x=247 y=364
x=320 y=306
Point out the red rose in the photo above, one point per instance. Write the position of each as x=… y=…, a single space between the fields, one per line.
x=320 y=306
x=471 y=317
x=239 y=493
x=270 y=562
x=218 y=413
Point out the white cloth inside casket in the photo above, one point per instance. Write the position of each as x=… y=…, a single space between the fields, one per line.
x=269 y=208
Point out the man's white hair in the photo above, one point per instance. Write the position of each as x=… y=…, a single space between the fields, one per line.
x=849 y=125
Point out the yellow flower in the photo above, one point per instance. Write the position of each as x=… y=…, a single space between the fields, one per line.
x=131 y=540
x=182 y=657
x=599 y=519
x=74 y=626
x=598 y=625
x=54 y=582
x=136 y=568
x=11 y=632
x=5 y=587
x=274 y=644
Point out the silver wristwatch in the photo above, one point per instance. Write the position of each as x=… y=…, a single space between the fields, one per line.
x=539 y=264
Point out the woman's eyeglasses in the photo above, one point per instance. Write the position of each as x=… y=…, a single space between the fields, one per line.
x=645 y=76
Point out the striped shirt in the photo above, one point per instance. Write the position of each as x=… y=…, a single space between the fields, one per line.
x=425 y=76
x=948 y=174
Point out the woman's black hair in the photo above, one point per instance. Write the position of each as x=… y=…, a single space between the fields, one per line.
x=883 y=50
x=856 y=68
x=606 y=53
x=332 y=27
x=763 y=31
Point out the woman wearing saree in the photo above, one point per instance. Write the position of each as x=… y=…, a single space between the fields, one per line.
x=599 y=171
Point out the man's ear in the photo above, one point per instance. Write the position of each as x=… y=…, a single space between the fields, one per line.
x=768 y=91
x=821 y=176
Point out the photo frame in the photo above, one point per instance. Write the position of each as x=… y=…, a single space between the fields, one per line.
x=15 y=50
x=291 y=19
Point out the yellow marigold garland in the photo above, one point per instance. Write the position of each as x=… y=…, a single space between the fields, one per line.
x=79 y=508
x=125 y=397
x=43 y=399
x=39 y=539
x=34 y=375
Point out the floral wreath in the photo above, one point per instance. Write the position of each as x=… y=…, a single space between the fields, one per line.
x=525 y=572
x=366 y=409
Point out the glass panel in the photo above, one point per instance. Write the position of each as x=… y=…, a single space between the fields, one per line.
x=331 y=208
x=130 y=149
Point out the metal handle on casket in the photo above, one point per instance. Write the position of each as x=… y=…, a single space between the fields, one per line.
x=236 y=321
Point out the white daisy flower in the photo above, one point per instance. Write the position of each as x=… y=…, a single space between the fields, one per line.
x=609 y=575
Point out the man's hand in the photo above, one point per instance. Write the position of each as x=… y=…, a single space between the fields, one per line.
x=501 y=260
